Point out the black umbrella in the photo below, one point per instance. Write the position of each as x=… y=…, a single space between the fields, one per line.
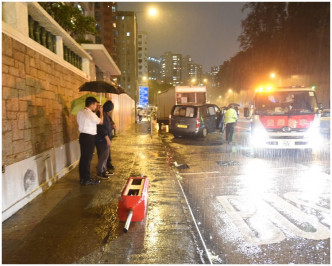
x=121 y=90
x=102 y=87
x=234 y=105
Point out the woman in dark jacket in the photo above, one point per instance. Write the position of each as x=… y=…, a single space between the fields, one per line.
x=103 y=141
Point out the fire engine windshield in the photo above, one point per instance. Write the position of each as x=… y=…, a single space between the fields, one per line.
x=286 y=103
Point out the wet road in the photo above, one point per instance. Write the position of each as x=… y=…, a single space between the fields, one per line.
x=270 y=209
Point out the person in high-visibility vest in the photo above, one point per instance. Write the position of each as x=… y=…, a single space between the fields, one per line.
x=230 y=121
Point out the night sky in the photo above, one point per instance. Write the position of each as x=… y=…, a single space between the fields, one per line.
x=207 y=31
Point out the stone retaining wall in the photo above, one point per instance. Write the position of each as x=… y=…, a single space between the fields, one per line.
x=36 y=96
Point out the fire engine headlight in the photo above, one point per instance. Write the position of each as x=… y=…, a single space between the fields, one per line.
x=315 y=137
x=259 y=136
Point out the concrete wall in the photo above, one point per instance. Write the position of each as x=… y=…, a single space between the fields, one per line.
x=39 y=135
x=124 y=112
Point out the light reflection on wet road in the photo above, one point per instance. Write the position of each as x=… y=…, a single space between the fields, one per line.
x=270 y=209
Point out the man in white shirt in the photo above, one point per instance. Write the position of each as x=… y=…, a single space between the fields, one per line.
x=87 y=125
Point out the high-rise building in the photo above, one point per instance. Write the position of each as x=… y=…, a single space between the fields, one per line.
x=105 y=16
x=126 y=32
x=185 y=69
x=213 y=74
x=142 y=47
x=171 y=68
x=195 y=72
x=154 y=68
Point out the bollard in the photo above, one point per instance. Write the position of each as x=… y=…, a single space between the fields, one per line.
x=133 y=201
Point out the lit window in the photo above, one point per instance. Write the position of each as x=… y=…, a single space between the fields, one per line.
x=122 y=17
x=128 y=33
x=114 y=25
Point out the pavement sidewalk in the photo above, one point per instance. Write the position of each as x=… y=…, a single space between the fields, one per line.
x=70 y=223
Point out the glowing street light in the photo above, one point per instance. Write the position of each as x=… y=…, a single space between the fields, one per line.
x=231 y=91
x=153 y=12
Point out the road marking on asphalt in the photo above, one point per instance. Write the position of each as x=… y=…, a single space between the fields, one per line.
x=201 y=173
x=263 y=220
x=197 y=228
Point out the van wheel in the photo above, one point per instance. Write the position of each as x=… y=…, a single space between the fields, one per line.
x=176 y=136
x=204 y=132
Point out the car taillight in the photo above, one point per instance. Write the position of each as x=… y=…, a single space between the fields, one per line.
x=198 y=122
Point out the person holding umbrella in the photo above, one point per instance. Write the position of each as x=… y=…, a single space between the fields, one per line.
x=87 y=125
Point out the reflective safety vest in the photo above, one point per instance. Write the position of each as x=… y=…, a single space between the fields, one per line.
x=230 y=116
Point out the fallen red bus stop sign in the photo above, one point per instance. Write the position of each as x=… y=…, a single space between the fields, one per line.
x=133 y=201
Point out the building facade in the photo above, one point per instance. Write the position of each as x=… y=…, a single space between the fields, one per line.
x=142 y=54
x=154 y=68
x=105 y=16
x=180 y=70
x=126 y=32
x=195 y=73
x=171 y=68
x=213 y=76
x=185 y=69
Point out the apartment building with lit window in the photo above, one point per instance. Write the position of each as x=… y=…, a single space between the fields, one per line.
x=105 y=16
x=195 y=73
x=126 y=31
x=185 y=69
x=142 y=58
x=154 y=68
x=171 y=68
x=213 y=76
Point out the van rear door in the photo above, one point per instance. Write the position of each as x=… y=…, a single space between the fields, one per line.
x=184 y=118
x=211 y=118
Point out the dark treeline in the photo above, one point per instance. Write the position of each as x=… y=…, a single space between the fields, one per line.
x=288 y=38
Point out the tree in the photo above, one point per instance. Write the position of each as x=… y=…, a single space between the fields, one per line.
x=71 y=19
x=307 y=35
x=262 y=24
x=292 y=39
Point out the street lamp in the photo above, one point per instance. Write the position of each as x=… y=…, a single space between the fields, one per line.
x=276 y=78
x=231 y=91
x=153 y=12
x=272 y=75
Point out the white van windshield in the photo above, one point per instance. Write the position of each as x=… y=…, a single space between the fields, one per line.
x=286 y=103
